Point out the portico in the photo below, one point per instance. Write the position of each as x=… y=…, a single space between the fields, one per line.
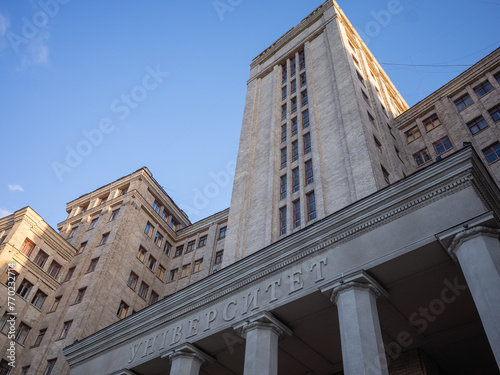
x=358 y=292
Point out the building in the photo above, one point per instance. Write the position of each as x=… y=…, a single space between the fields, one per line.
x=362 y=236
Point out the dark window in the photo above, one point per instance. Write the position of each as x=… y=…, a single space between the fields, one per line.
x=311 y=206
x=377 y=144
x=190 y=246
x=294 y=86
x=24 y=289
x=365 y=97
x=80 y=294
x=477 y=125
x=305 y=119
x=296 y=214
x=483 y=88
x=50 y=366
x=22 y=332
x=167 y=248
x=39 y=339
x=283 y=111
x=283 y=187
x=4 y=324
x=442 y=145
x=178 y=251
x=296 y=180
x=305 y=98
x=218 y=257
x=122 y=310
x=412 y=134
x=283 y=133
x=82 y=246
x=27 y=248
x=295 y=151
x=495 y=113
x=283 y=93
x=371 y=119
x=360 y=77
x=386 y=175
x=463 y=102
x=307 y=143
x=156 y=207
x=54 y=269
x=153 y=297
x=151 y=263
x=132 y=280
x=284 y=73
x=41 y=258
x=149 y=229
x=302 y=60
x=222 y=232
x=104 y=239
x=158 y=239
x=93 y=223
x=185 y=270
x=422 y=157
x=497 y=77
x=141 y=253
x=38 y=299
x=303 y=80
x=309 y=172
x=294 y=126
x=114 y=214
x=66 y=327
x=492 y=153
x=293 y=67
x=173 y=274
x=283 y=157
x=202 y=241
x=283 y=220
x=92 y=265
x=143 y=290
x=431 y=122
x=198 y=264
x=294 y=105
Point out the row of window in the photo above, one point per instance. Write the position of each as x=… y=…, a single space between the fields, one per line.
x=482 y=89
x=93 y=223
x=293 y=67
x=440 y=147
x=295 y=150
x=41 y=258
x=294 y=125
x=165 y=215
x=309 y=178
x=143 y=291
x=5 y=367
x=101 y=200
x=296 y=214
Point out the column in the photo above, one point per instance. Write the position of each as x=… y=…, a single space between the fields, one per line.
x=477 y=250
x=186 y=360
x=261 y=333
x=360 y=335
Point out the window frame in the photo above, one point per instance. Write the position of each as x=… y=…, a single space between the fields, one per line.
x=39 y=296
x=483 y=88
x=79 y=295
x=28 y=250
x=463 y=102
x=54 y=266
x=41 y=258
x=443 y=142
x=219 y=255
x=92 y=265
x=133 y=280
x=311 y=206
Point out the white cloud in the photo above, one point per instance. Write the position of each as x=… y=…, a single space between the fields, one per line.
x=37 y=51
x=4 y=24
x=4 y=212
x=15 y=187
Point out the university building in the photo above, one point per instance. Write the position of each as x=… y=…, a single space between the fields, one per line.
x=362 y=237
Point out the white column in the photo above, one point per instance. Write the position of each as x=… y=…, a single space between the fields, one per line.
x=361 y=338
x=477 y=250
x=186 y=360
x=261 y=333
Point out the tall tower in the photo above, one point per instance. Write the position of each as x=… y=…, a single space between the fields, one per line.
x=316 y=132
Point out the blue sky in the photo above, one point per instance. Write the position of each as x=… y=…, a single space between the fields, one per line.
x=162 y=84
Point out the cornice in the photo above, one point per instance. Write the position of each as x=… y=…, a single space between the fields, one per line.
x=469 y=234
x=412 y=193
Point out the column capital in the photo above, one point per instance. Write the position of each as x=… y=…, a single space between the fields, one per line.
x=337 y=290
x=263 y=320
x=468 y=234
x=188 y=351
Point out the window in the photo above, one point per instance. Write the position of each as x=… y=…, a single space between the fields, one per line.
x=492 y=153
x=173 y=224
x=294 y=126
x=283 y=93
x=149 y=229
x=9 y=277
x=104 y=239
x=92 y=265
x=477 y=125
x=4 y=367
x=371 y=119
x=167 y=248
x=54 y=269
x=202 y=241
x=463 y=102
x=164 y=215
x=65 y=329
x=93 y=223
x=377 y=144
x=22 y=332
x=311 y=206
x=132 y=280
x=284 y=73
x=27 y=248
x=384 y=110
x=143 y=290
x=304 y=98
x=303 y=80
x=495 y=113
x=122 y=191
x=24 y=370
x=158 y=239
x=309 y=172
x=355 y=60
x=283 y=133
x=160 y=273
x=190 y=246
x=55 y=304
x=79 y=295
x=222 y=232
x=483 y=88
x=69 y=274
x=185 y=270
x=156 y=207
x=283 y=111
x=283 y=220
x=39 y=339
x=295 y=151
x=295 y=180
x=412 y=134
x=360 y=77
x=442 y=145
x=497 y=77
x=198 y=264
x=305 y=119
x=173 y=274
x=294 y=105
x=24 y=289
x=307 y=143
x=283 y=187
x=82 y=246
x=178 y=251
x=365 y=97
x=385 y=174
x=141 y=253
x=294 y=86
x=114 y=214
x=431 y=122
x=283 y=157
x=302 y=60
x=296 y=214
x=422 y=157
x=4 y=324
x=41 y=258
x=50 y=366
x=38 y=299
x=151 y=263
x=218 y=257
x=122 y=310
x=153 y=297
x=293 y=67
